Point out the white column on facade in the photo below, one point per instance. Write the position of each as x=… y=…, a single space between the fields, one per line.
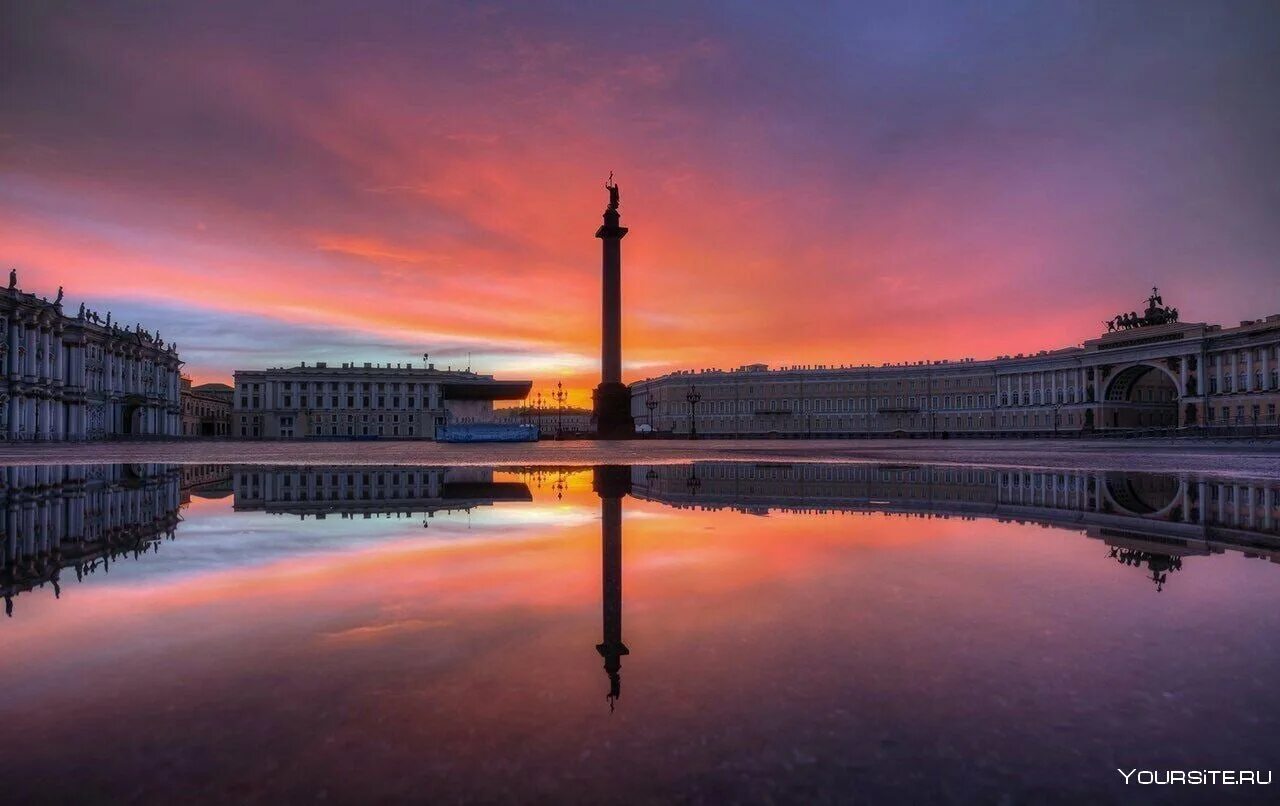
x=42 y=354
x=29 y=365
x=1247 y=386
x=12 y=368
x=50 y=355
x=1182 y=376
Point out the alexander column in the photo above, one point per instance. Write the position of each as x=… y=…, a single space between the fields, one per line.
x=612 y=398
x=612 y=483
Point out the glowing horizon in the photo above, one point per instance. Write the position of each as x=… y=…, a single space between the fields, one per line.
x=860 y=184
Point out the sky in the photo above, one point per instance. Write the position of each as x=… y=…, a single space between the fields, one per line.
x=268 y=183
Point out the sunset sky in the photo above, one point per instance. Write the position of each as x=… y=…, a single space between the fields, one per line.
x=805 y=183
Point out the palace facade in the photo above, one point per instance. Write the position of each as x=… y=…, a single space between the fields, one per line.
x=1145 y=372
x=399 y=401
x=81 y=377
x=54 y=517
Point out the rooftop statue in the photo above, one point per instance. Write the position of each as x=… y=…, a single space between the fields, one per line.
x=13 y=276
x=612 y=187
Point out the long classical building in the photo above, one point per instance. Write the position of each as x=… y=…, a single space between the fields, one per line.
x=81 y=377
x=397 y=401
x=1149 y=371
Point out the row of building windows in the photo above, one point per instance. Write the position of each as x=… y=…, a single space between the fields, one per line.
x=1043 y=420
x=304 y=402
x=334 y=479
x=1242 y=383
x=334 y=386
x=1240 y=415
x=913 y=384
x=822 y=405
x=1219 y=359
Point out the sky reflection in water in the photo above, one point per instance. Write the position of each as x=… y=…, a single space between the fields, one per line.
x=790 y=631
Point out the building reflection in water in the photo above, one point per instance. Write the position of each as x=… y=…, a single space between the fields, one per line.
x=80 y=517
x=1147 y=520
x=85 y=516
x=368 y=491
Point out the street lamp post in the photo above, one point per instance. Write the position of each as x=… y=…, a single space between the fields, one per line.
x=1057 y=417
x=650 y=404
x=537 y=411
x=693 y=483
x=693 y=397
x=559 y=396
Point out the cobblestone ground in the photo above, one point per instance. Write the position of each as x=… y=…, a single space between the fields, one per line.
x=1252 y=459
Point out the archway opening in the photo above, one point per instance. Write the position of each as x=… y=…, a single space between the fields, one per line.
x=1141 y=396
x=131 y=413
x=1143 y=494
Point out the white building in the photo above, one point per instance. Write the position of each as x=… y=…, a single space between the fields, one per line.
x=1158 y=373
x=551 y=421
x=397 y=401
x=81 y=377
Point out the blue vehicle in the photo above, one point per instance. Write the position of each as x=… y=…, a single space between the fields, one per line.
x=487 y=432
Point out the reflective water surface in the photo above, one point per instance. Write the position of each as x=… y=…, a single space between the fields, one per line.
x=708 y=632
